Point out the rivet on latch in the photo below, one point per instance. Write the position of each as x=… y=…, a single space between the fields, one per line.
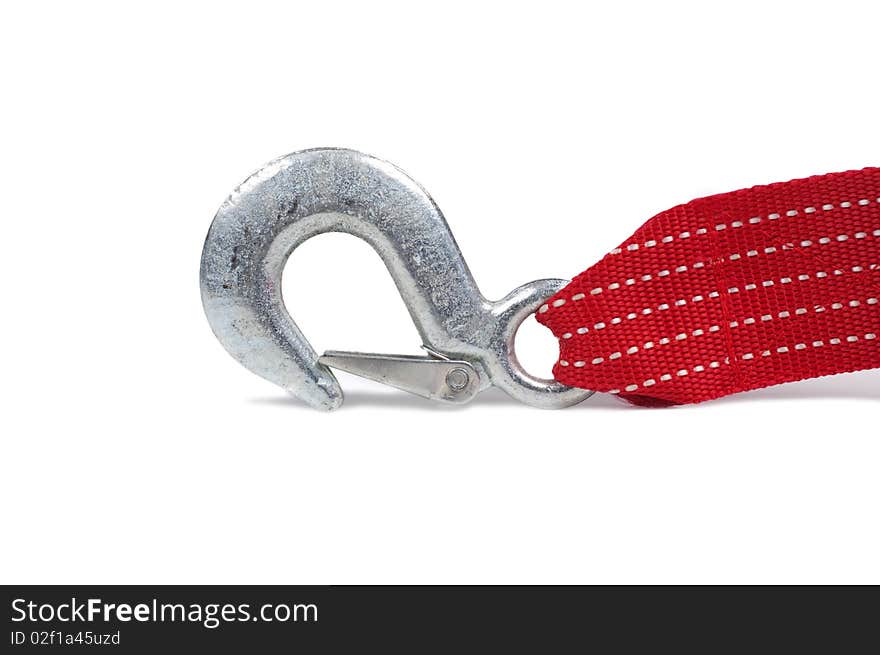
x=457 y=379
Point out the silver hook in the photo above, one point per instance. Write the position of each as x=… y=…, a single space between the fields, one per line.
x=469 y=339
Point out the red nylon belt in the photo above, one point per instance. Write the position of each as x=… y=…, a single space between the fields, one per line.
x=728 y=293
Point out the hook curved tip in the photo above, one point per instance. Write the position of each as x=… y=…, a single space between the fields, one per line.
x=323 y=393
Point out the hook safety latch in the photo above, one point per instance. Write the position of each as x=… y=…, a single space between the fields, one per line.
x=469 y=339
x=434 y=376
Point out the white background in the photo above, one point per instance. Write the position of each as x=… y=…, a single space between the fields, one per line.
x=135 y=450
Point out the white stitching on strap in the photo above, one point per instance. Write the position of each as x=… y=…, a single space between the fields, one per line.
x=870 y=336
x=681 y=302
x=631 y=247
x=806 y=243
x=800 y=311
x=736 y=256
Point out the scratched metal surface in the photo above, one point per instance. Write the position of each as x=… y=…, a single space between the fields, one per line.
x=331 y=190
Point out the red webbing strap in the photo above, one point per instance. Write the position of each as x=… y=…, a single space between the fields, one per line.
x=731 y=292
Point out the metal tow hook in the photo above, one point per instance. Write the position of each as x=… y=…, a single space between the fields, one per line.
x=468 y=339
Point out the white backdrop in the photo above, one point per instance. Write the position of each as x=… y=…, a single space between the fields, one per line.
x=135 y=450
